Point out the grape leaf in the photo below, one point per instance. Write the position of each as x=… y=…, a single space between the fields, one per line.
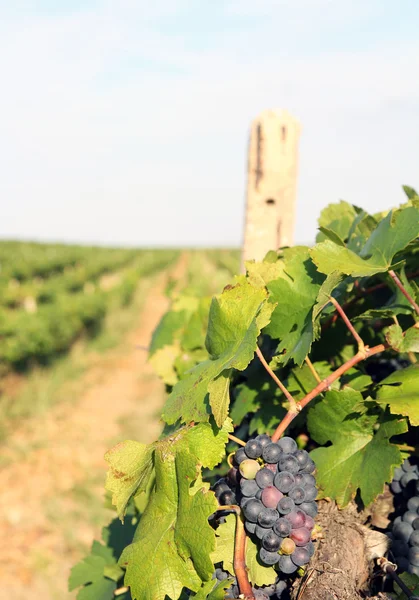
x=213 y=590
x=162 y=361
x=407 y=342
x=194 y=334
x=167 y=329
x=359 y=457
x=338 y=218
x=390 y=236
x=400 y=391
x=258 y=573
x=331 y=235
x=91 y=572
x=170 y=551
x=295 y=294
x=261 y=273
x=410 y=192
x=131 y=465
x=325 y=291
x=412 y=582
x=236 y=319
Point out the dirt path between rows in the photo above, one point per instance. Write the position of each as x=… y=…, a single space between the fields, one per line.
x=51 y=502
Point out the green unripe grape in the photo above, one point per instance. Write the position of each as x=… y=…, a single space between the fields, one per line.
x=287 y=546
x=248 y=468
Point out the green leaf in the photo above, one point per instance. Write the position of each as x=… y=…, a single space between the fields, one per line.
x=131 y=465
x=400 y=391
x=247 y=400
x=295 y=294
x=113 y=572
x=261 y=273
x=412 y=582
x=259 y=574
x=337 y=218
x=331 y=235
x=213 y=590
x=359 y=457
x=325 y=291
x=167 y=329
x=407 y=342
x=219 y=392
x=162 y=361
x=390 y=236
x=93 y=572
x=236 y=319
x=170 y=551
x=410 y=192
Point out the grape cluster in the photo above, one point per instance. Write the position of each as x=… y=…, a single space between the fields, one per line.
x=263 y=592
x=277 y=497
x=405 y=530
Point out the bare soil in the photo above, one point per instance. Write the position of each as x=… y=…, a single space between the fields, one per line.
x=52 y=497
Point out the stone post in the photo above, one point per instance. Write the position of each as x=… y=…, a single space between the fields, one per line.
x=271 y=184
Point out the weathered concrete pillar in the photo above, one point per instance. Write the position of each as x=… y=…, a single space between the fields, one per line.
x=271 y=184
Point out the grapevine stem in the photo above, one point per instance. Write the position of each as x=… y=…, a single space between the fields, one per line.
x=293 y=404
x=404 y=291
x=233 y=438
x=361 y=355
x=239 y=562
x=347 y=322
x=312 y=369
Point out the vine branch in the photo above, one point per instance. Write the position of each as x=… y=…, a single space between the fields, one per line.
x=361 y=355
x=293 y=404
x=233 y=438
x=347 y=322
x=239 y=561
x=404 y=291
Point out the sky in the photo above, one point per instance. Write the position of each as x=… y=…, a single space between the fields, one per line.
x=126 y=122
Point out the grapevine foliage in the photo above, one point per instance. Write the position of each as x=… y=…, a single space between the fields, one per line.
x=362 y=412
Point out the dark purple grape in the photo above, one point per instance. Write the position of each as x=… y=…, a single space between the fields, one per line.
x=287 y=445
x=398 y=473
x=403 y=563
x=264 y=439
x=310 y=466
x=396 y=487
x=414 y=538
x=415 y=523
x=409 y=517
x=271 y=541
x=413 y=571
x=271 y=496
x=240 y=456
x=220 y=574
x=264 y=477
x=300 y=556
x=219 y=487
x=302 y=457
x=310 y=508
x=297 y=494
x=286 y=565
x=284 y=481
x=310 y=548
x=260 y=531
x=310 y=493
x=399 y=548
x=258 y=494
x=408 y=466
x=296 y=518
x=268 y=517
x=299 y=479
x=250 y=527
x=271 y=453
x=413 y=503
x=249 y=487
x=251 y=510
x=309 y=523
x=283 y=527
x=227 y=498
x=273 y=467
x=253 y=449
x=269 y=558
x=309 y=479
x=413 y=556
x=289 y=463
x=232 y=477
x=301 y=536
x=280 y=587
x=402 y=531
x=408 y=477
x=285 y=505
